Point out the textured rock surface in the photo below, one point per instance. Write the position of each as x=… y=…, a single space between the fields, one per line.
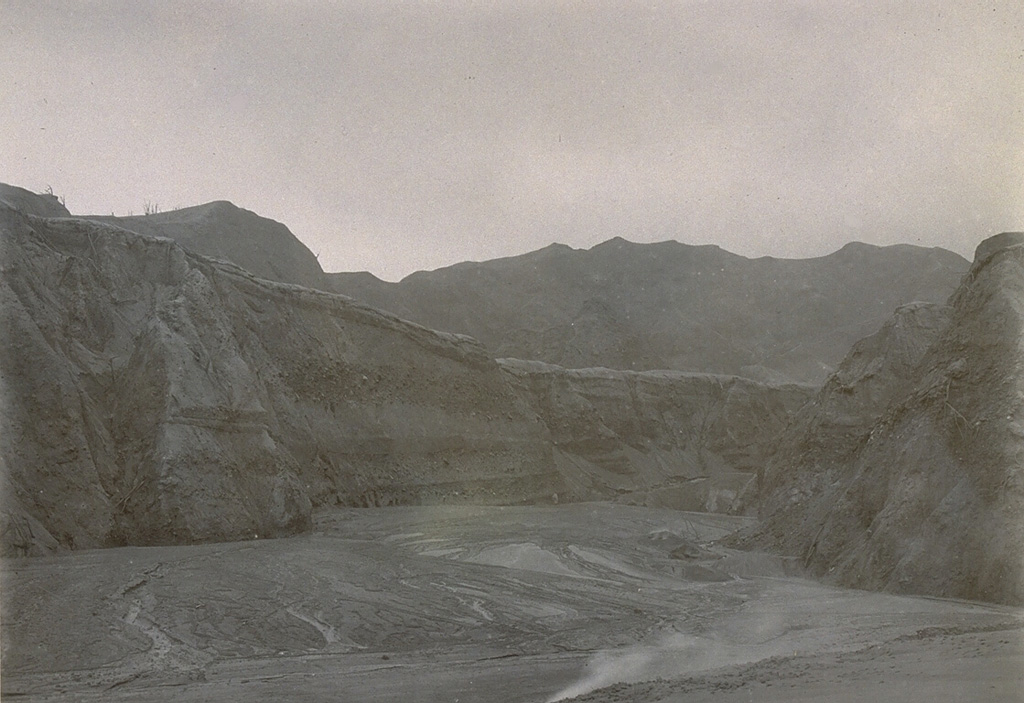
x=151 y=395
x=929 y=497
x=801 y=481
x=671 y=306
x=663 y=438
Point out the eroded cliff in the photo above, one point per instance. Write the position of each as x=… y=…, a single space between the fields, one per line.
x=151 y=395
x=663 y=438
x=926 y=493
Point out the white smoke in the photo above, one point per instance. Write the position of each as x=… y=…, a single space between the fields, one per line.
x=748 y=636
x=607 y=668
x=673 y=655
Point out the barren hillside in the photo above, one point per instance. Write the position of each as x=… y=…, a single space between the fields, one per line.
x=152 y=395
x=30 y=203
x=221 y=230
x=926 y=493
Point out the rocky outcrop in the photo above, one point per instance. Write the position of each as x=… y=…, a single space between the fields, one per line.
x=669 y=305
x=151 y=395
x=663 y=438
x=801 y=482
x=912 y=480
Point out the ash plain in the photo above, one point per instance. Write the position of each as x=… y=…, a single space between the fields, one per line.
x=600 y=601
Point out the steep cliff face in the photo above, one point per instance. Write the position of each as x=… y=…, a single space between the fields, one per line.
x=799 y=485
x=150 y=395
x=664 y=438
x=928 y=497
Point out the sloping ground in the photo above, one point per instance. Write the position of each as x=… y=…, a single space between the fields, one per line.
x=669 y=305
x=221 y=230
x=150 y=395
x=667 y=438
x=30 y=203
x=931 y=498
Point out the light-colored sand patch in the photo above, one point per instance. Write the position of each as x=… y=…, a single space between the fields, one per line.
x=405 y=536
x=526 y=556
x=330 y=635
x=441 y=552
x=425 y=540
x=606 y=562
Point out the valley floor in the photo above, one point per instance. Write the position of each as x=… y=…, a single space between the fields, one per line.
x=606 y=602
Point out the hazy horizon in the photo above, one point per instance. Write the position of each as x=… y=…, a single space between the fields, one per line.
x=399 y=138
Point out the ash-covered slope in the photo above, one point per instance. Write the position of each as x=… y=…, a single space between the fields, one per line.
x=31 y=203
x=928 y=496
x=670 y=305
x=803 y=480
x=150 y=395
x=223 y=231
x=664 y=438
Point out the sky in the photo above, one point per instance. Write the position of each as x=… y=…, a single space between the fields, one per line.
x=398 y=136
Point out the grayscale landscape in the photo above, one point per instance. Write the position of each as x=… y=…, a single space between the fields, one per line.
x=520 y=352
x=445 y=525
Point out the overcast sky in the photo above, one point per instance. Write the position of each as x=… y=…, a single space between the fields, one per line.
x=392 y=137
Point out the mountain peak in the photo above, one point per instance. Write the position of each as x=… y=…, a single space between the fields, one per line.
x=222 y=230
x=38 y=204
x=996 y=243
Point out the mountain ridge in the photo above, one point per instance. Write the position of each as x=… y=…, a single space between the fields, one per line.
x=617 y=304
x=670 y=305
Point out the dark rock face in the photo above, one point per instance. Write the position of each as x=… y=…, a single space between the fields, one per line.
x=221 y=230
x=669 y=305
x=662 y=438
x=150 y=395
x=800 y=484
x=926 y=497
x=31 y=203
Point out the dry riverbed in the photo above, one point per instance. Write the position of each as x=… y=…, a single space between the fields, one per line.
x=606 y=602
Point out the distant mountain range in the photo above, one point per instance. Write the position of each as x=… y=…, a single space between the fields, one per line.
x=619 y=304
x=669 y=305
